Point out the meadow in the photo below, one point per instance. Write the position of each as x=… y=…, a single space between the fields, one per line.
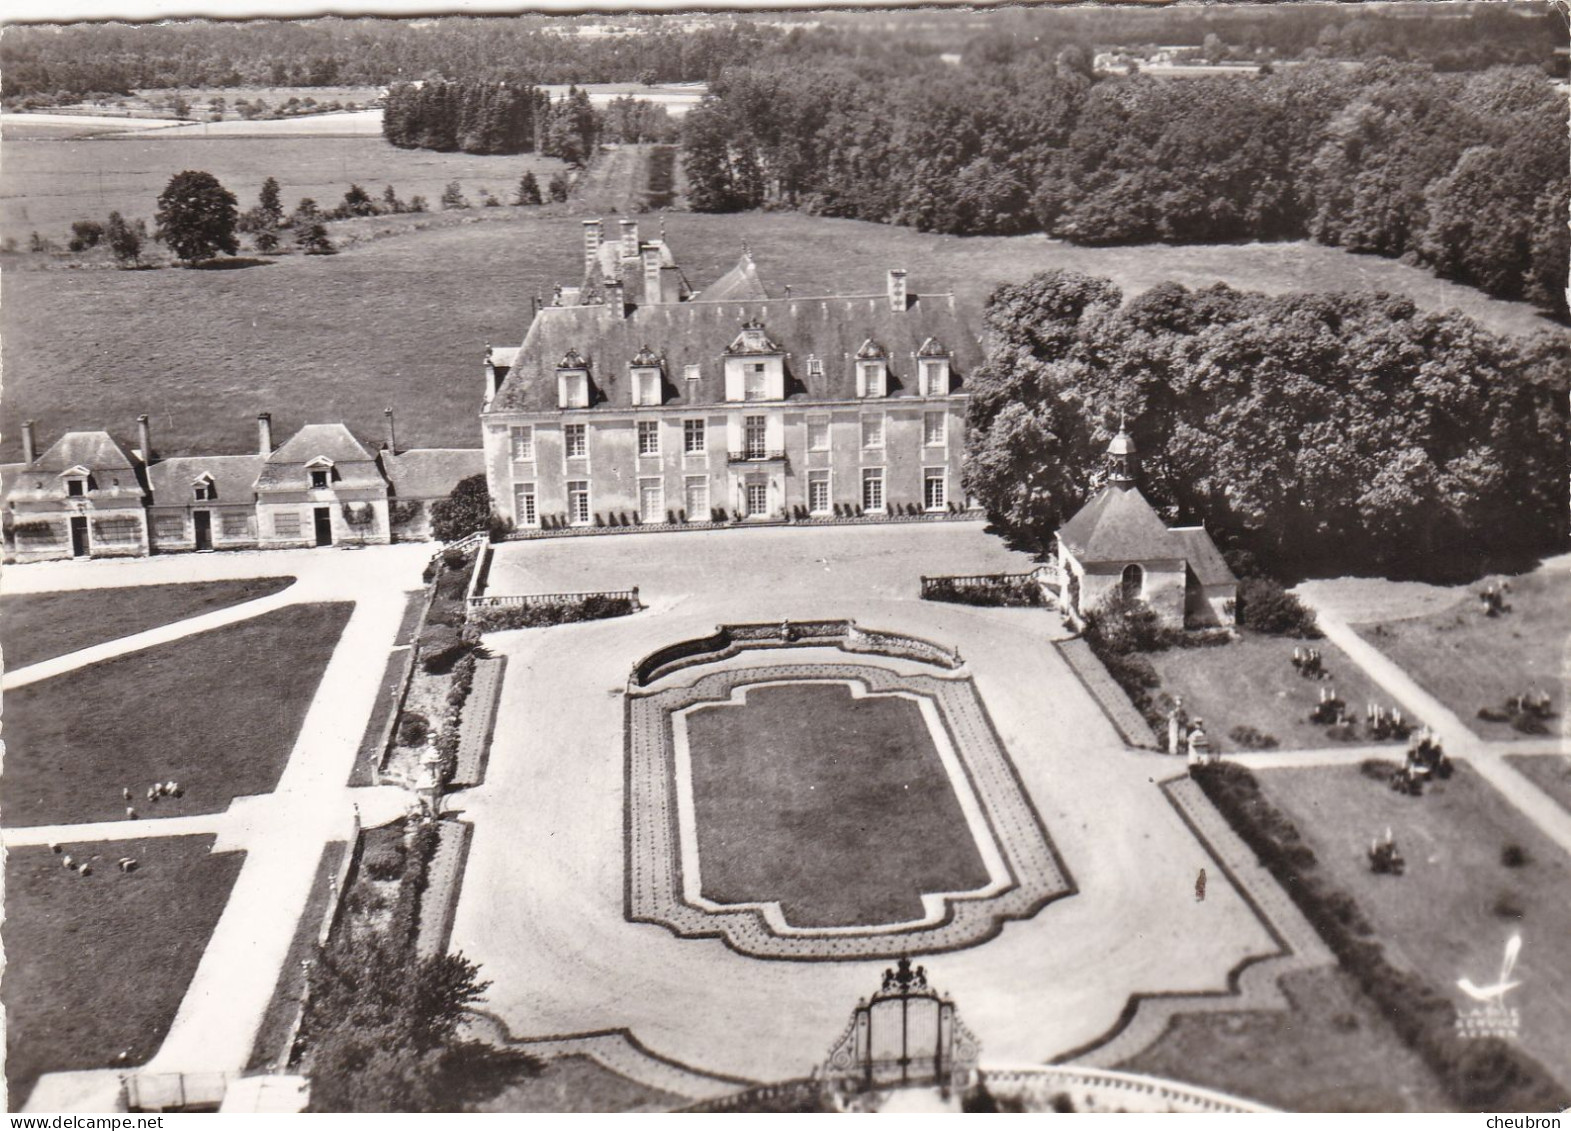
x=46 y=183
x=402 y=319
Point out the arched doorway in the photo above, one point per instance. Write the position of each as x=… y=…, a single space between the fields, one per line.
x=1133 y=583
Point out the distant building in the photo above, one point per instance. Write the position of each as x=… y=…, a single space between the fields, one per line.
x=633 y=395
x=85 y=497
x=1118 y=541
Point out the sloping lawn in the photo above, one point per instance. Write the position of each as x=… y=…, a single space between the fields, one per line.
x=217 y=712
x=1468 y=660
x=1251 y=682
x=41 y=626
x=1332 y=1051
x=1549 y=773
x=1450 y=915
x=97 y=965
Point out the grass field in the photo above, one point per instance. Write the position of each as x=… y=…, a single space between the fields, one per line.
x=217 y=712
x=1550 y=773
x=1332 y=1051
x=40 y=626
x=1252 y=682
x=838 y=808
x=403 y=321
x=97 y=965
x=46 y=184
x=1450 y=915
x=1468 y=660
x=579 y=1084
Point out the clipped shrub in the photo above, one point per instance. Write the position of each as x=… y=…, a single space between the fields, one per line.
x=1251 y=739
x=1264 y=606
x=413 y=728
x=1514 y=856
x=384 y=858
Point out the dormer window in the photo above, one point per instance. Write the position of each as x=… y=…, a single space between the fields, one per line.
x=872 y=370
x=754 y=366
x=572 y=381
x=318 y=478
x=932 y=364
x=203 y=490
x=76 y=487
x=755 y=385
x=321 y=472
x=815 y=367
x=647 y=369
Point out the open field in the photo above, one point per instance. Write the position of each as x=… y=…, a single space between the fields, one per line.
x=1331 y=1052
x=337 y=123
x=1450 y=914
x=97 y=965
x=40 y=626
x=1549 y=773
x=217 y=712
x=46 y=184
x=404 y=320
x=1468 y=660
x=838 y=808
x=1252 y=682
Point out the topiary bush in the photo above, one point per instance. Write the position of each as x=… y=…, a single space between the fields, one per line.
x=1264 y=606
x=413 y=728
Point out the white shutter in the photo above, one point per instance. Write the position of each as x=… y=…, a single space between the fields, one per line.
x=861 y=379
x=733 y=381
x=774 y=434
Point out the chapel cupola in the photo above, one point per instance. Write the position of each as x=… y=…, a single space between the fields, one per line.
x=1123 y=461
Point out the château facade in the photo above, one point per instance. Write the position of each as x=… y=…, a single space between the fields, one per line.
x=632 y=395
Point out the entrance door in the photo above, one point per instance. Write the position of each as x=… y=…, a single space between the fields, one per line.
x=757 y=499
x=204 y=529
x=79 y=536
x=324 y=526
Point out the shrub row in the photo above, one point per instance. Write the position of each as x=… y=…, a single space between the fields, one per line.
x=997 y=590
x=592 y=606
x=1480 y=1074
x=1265 y=606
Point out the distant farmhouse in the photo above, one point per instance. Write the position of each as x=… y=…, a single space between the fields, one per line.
x=634 y=394
x=86 y=497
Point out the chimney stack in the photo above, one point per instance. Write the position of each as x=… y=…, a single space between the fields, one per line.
x=144 y=436
x=392 y=437
x=616 y=297
x=29 y=442
x=652 y=276
x=264 y=433
x=897 y=291
x=592 y=236
x=629 y=239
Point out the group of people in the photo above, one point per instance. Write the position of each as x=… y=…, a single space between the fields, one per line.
x=1383 y=724
x=1307 y=661
x=1330 y=710
x=85 y=867
x=1532 y=702
x=154 y=792
x=1426 y=759
x=1493 y=598
x=1384 y=858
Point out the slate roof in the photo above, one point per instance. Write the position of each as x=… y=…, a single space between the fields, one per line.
x=96 y=451
x=740 y=284
x=173 y=480
x=698 y=332
x=1204 y=558
x=1118 y=525
x=353 y=463
x=431 y=473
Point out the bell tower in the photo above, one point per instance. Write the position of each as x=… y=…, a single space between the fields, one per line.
x=1123 y=460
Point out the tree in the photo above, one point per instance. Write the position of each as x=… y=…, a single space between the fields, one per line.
x=558 y=186
x=453 y=196
x=124 y=240
x=528 y=190
x=311 y=238
x=268 y=202
x=85 y=234
x=466 y=510
x=390 y=202
x=266 y=239
x=197 y=217
x=358 y=202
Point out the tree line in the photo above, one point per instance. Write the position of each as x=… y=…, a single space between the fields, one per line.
x=1468 y=174
x=1348 y=432
x=488 y=117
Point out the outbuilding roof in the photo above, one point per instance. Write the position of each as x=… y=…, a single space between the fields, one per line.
x=173 y=481
x=1119 y=525
x=431 y=473
x=353 y=464
x=1209 y=567
x=96 y=451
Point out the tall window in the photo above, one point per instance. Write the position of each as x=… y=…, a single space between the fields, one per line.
x=1133 y=582
x=818 y=433
x=695 y=497
x=651 y=500
x=755 y=437
x=648 y=437
x=935 y=428
x=754 y=387
x=933 y=488
x=872 y=431
x=873 y=488
x=523 y=437
x=694 y=442
x=575 y=440
x=524 y=505
x=818 y=492
x=578 y=502
x=934 y=378
x=573 y=390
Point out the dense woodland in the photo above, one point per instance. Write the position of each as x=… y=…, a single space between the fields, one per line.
x=119 y=58
x=1345 y=431
x=1465 y=173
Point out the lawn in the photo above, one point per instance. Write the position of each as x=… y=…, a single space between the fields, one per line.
x=1332 y=1051
x=40 y=626
x=217 y=712
x=839 y=808
x=49 y=182
x=97 y=965
x=579 y=1084
x=1251 y=682
x=425 y=301
x=1468 y=660
x=1550 y=773
x=1450 y=915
